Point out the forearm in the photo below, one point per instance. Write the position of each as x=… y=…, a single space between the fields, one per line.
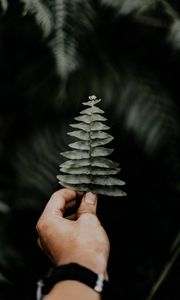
x=72 y=290
x=82 y=242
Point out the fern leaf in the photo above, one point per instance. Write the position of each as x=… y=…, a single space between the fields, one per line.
x=93 y=127
x=72 y=19
x=93 y=101
x=80 y=134
x=98 y=142
x=75 y=164
x=64 y=50
x=80 y=145
x=76 y=179
x=92 y=110
x=99 y=126
x=3 y=7
x=105 y=171
x=108 y=191
x=126 y=7
x=101 y=151
x=78 y=170
x=100 y=135
x=81 y=126
x=90 y=170
x=41 y=14
x=103 y=163
x=95 y=143
x=103 y=190
x=89 y=119
x=75 y=154
x=87 y=168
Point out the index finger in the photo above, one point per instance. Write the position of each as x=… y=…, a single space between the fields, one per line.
x=56 y=204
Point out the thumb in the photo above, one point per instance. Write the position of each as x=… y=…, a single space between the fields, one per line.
x=88 y=204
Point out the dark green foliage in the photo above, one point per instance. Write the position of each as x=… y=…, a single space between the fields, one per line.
x=128 y=52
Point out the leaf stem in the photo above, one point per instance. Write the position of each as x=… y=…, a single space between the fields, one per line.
x=90 y=139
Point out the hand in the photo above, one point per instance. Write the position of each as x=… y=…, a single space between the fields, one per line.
x=83 y=240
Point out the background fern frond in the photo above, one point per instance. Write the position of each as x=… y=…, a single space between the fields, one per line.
x=41 y=14
x=133 y=61
x=71 y=22
x=89 y=156
x=3 y=7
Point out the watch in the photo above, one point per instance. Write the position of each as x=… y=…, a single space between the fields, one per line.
x=71 y=271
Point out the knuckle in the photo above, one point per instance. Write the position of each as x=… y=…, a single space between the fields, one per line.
x=38 y=226
x=55 y=195
x=59 y=194
x=42 y=225
x=88 y=217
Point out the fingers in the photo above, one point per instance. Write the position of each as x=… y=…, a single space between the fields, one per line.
x=58 y=201
x=56 y=207
x=72 y=217
x=88 y=204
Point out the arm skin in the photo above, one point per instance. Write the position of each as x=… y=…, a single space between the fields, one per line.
x=72 y=290
x=82 y=240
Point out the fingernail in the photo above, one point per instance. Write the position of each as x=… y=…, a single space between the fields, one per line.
x=90 y=198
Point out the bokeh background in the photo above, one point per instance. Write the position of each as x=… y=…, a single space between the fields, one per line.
x=53 y=55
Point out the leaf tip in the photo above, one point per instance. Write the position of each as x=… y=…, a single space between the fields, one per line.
x=93 y=97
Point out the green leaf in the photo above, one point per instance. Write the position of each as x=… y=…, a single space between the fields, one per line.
x=80 y=134
x=98 y=142
x=81 y=126
x=104 y=171
x=99 y=126
x=78 y=170
x=80 y=145
x=107 y=180
x=92 y=110
x=97 y=180
x=41 y=14
x=102 y=190
x=101 y=151
x=94 y=126
x=99 y=135
x=75 y=154
x=88 y=118
x=75 y=187
x=87 y=169
x=103 y=163
x=91 y=102
x=75 y=179
x=75 y=163
x=90 y=170
x=108 y=191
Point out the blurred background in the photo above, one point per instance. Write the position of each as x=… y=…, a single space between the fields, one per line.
x=53 y=55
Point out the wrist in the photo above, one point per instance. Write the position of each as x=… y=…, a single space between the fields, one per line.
x=71 y=272
x=94 y=262
x=71 y=289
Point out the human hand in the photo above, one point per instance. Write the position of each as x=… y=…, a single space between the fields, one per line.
x=83 y=240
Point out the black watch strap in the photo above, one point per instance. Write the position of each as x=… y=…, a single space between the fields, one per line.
x=72 y=271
